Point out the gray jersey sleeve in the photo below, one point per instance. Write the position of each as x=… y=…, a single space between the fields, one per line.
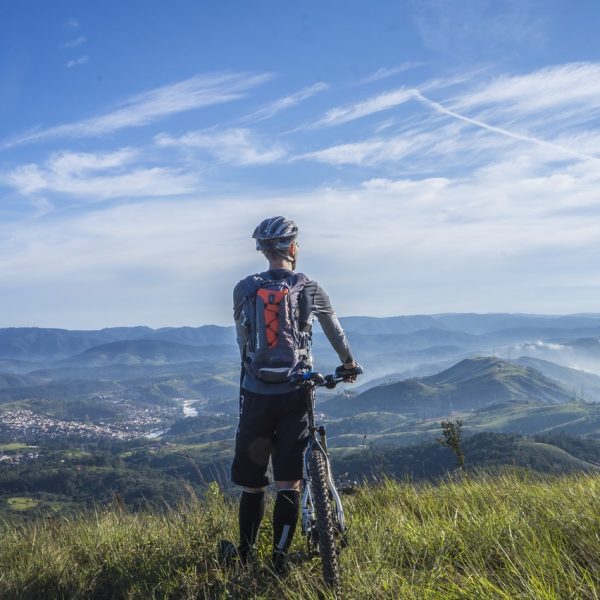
x=240 y=330
x=329 y=322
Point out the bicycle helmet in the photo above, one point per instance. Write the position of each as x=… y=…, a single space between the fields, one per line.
x=275 y=233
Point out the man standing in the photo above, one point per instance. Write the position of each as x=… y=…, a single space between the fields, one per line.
x=273 y=313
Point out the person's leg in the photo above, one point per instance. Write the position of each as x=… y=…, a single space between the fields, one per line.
x=251 y=512
x=288 y=450
x=285 y=518
x=251 y=459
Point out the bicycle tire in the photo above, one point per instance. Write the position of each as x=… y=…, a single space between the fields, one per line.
x=324 y=521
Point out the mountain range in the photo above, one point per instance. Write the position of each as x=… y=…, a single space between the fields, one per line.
x=422 y=366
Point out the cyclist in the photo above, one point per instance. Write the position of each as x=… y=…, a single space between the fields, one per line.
x=273 y=420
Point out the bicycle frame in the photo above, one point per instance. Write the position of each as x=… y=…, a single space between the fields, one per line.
x=308 y=518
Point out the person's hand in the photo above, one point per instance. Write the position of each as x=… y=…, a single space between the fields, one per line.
x=349 y=366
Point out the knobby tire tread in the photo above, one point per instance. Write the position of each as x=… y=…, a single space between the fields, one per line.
x=324 y=519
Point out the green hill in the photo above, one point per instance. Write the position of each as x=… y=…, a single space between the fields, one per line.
x=483 y=450
x=385 y=429
x=470 y=384
x=9 y=381
x=501 y=537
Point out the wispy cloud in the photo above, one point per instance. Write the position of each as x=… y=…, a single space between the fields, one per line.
x=566 y=91
x=518 y=109
x=368 y=152
x=98 y=176
x=386 y=72
x=392 y=98
x=153 y=105
x=235 y=146
x=72 y=24
x=384 y=101
x=270 y=110
x=500 y=130
x=486 y=28
x=82 y=60
x=74 y=43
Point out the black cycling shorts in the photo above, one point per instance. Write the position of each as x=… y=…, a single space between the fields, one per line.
x=270 y=426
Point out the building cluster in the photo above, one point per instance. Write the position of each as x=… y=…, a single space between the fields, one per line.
x=29 y=425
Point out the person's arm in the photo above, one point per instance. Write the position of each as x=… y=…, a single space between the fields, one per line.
x=240 y=331
x=331 y=326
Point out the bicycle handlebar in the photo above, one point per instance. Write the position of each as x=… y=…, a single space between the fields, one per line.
x=314 y=379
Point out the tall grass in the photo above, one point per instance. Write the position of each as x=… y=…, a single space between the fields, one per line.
x=506 y=536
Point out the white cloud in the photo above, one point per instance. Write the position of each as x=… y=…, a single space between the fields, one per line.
x=82 y=60
x=369 y=152
x=539 y=344
x=527 y=103
x=489 y=241
x=153 y=105
x=470 y=203
x=286 y=102
x=98 y=177
x=234 y=146
x=391 y=99
x=419 y=149
x=74 y=43
x=379 y=103
x=500 y=130
x=551 y=95
x=80 y=162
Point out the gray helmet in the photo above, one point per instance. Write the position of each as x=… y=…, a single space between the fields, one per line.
x=276 y=233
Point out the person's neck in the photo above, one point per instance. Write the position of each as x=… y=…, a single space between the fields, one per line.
x=280 y=264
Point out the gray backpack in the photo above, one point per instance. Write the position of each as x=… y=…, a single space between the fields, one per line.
x=277 y=345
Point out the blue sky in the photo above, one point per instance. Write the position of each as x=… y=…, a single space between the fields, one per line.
x=438 y=156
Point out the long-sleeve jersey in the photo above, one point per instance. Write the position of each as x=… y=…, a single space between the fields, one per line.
x=313 y=302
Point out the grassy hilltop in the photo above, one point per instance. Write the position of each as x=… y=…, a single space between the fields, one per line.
x=506 y=536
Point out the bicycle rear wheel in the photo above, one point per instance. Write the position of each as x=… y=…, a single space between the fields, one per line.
x=324 y=519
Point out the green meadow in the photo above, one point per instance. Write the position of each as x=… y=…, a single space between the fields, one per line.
x=509 y=535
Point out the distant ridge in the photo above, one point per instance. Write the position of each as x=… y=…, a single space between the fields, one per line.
x=145 y=352
x=473 y=323
x=411 y=344
x=584 y=385
x=34 y=343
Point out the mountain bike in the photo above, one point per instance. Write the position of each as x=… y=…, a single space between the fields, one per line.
x=323 y=520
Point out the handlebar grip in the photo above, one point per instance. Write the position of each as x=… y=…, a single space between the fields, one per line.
x=342 y=372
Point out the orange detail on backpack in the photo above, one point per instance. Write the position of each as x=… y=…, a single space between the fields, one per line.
x=272 y=300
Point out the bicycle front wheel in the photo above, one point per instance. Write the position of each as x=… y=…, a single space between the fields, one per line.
x=324 y=518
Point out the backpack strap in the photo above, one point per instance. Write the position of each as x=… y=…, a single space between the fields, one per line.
x=297 y=283
x=251 y=285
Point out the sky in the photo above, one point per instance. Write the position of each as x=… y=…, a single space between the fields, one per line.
x=437 y=156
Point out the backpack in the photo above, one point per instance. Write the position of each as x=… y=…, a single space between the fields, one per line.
x=277 y=345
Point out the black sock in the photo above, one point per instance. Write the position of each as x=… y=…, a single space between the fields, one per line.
x=285 y=517
x=252 y=509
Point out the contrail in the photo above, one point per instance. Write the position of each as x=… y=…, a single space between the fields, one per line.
x=515 y=136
